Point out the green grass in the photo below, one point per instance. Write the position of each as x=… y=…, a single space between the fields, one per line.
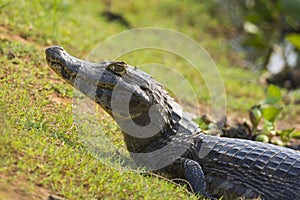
x=40 y=145
x=38 y=141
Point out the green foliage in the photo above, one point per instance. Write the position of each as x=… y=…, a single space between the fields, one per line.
x=264 y=24
x=262 y=138
x=294 y=39
x=201 y=123
x=286 y=135
x=267 y=113
x=255 y=115
x=270 y=113
x=273 y=95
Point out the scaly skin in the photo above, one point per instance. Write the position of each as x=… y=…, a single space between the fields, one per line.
x=162 y=138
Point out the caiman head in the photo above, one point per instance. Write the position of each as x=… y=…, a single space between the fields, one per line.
x=125 y=92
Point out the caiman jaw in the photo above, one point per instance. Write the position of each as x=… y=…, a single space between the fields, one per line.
x=59 y=61
x=99 y=80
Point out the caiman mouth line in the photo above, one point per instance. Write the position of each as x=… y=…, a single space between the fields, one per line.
x=59 y=67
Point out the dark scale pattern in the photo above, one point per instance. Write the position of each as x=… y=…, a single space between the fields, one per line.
x=231 y=168
x=249 y=169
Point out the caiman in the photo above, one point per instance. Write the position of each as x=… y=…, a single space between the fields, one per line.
x=162 y=138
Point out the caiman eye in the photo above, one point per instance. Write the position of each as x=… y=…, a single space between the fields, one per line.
x=118 y=68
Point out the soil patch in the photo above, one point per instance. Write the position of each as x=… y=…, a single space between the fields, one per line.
x=19 y=189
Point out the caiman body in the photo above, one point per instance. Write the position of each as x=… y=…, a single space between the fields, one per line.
x=213 y=166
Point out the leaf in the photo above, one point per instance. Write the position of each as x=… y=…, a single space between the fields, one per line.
x=268 y=127
x=255 y=115
x=295 y=134
x=201 y=123
x=271 y=113
x=262 y=138
x=273 y=95
x=277 y=142
x=286 y=134
x=294 y=39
